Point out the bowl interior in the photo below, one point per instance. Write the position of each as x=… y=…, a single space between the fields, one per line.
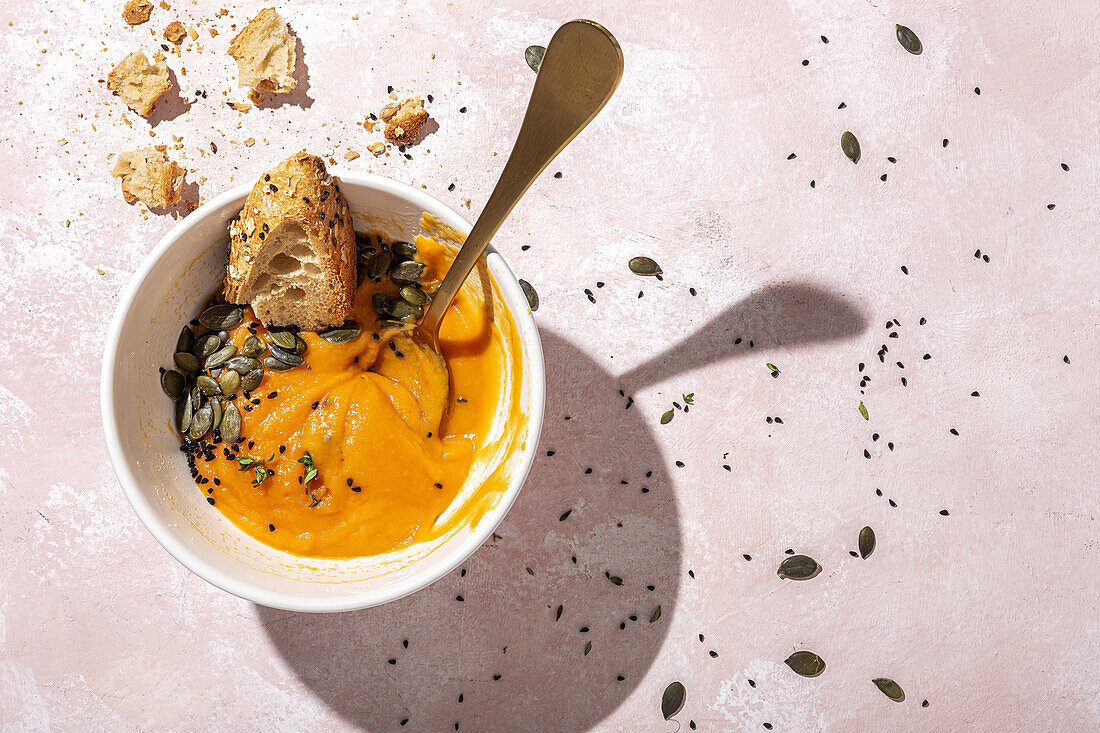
x=172 y=283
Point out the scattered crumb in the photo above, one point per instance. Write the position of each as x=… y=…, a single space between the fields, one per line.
x=351 y=155
x=249 y=142
x=139 y=83
x=255 y=96
x=150 y=177
x=404 y=124
x=165 y=5
x=377 y=148
x=264 y=52
x=175 y=32
x=136 y=12
x=194 y=34
x=239 y=106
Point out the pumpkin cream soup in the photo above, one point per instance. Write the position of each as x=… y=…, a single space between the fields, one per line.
x=350 y=441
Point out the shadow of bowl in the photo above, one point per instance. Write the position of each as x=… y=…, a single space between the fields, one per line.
x=595 y=533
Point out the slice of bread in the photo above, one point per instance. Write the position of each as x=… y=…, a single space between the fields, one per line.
x=150 y=177
x=139 y=83
x=292 y=248
x=265 y=53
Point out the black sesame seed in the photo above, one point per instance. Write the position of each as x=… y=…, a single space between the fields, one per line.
x=944 y=512
x=210 y=500
x=462 y=110
x=451 y=187
x=557 y=175
x=805 y=62
x=842 y=105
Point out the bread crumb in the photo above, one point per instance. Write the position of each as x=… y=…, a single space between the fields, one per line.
x=175 y=32
x=377 y=148
x=150 y=177
x=136 y=12
x=249 y=142
x=221 y=12
x=194 y=34
x=255 y=96
x=265 y=53
x=139 y=83
x=213 y=32
x=239 y=106
x=404 y=125
x=165 y=5
x=389 y=111
x=351 y=155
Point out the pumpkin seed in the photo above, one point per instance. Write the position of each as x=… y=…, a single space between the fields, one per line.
x=216 y=409
x=286 y=356
x=183 y=412
x=243 y=364
x=251 y=379
x=208 y=385
x=229 y=382
x=890 y=688
x=534 y=55
x=196 y=398
x=850 y=145
x=186 y=339
x=173 y=383
x=252 y=346
x=222 y=316
x=275 y=365
x=403 y=250
x=231 y=424
x=206 y=345
x=200 y=422
x=186 y=361
x=672 y=701
x=360 y=275
x=529 y=292
x=379 y=265
x=866 y=542
x=300 y=344
x=805 y=663
x=414 y=295
x=282 y=337
x=223 y=335
x=644 y=266
x=406 y=273
x=798 y=567
x=908 y=40
x=221 y=356
x=379 y=301
x=341 y=334
x=402 y=310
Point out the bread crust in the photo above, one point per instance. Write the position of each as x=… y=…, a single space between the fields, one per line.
x=138 y=82
x=299 y=191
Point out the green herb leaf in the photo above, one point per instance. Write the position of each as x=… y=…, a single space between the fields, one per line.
x=672 y=701
x=866 y=542
x=863 y=410
x=530 y=571
x=666 y=418
x=587 y=648
x=655 y=615
x=315 y=501
x=773 y=368
x=310 y=472
x=689 y=398
x=805 y=663
x=534 y=55
x=889 y=688
x=798 y=567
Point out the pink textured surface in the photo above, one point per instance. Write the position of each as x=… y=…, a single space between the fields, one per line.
x=988 y=613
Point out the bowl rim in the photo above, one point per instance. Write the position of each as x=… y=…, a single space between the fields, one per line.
x=226 y=581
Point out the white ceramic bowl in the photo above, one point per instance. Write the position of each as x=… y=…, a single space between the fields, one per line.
x=184 y=267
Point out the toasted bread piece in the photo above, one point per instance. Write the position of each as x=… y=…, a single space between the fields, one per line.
x=292 y=248
x=265 y=54
x=139 y=83
x=136 y=12
x=150 y=177
x=403 y=125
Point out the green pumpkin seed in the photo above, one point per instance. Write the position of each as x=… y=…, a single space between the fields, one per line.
x=243 y=364
x=186 y=361
x=282 y=337
x=531 y=295
x=379 y=301
x=300 y=345
x=216 y=408
x=200 y=422
x=407 y=273
x=186 y=339
x=534 y=55
x=805 y=663
x=221 y=356
x=403 y=250
x=206 y=345
x=270 y=362
x=286 y=356
x=252 y=346
x=208 y=385
x=229 y=381
x=890 y=688
x=183 y=413
x=908 y=40
x=379 y=265
x=251 y=379
x=414 y=295
x=850 y=145
x=197 y=397
x=672 y=701
x=341 y=334
x=222 y=316
x=402 y=310
x=798 y=567
x=173 y=383
x=866 y=542
x=231 y=424
x=644 y=266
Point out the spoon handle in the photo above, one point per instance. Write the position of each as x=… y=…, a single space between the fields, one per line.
x=579 y=73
